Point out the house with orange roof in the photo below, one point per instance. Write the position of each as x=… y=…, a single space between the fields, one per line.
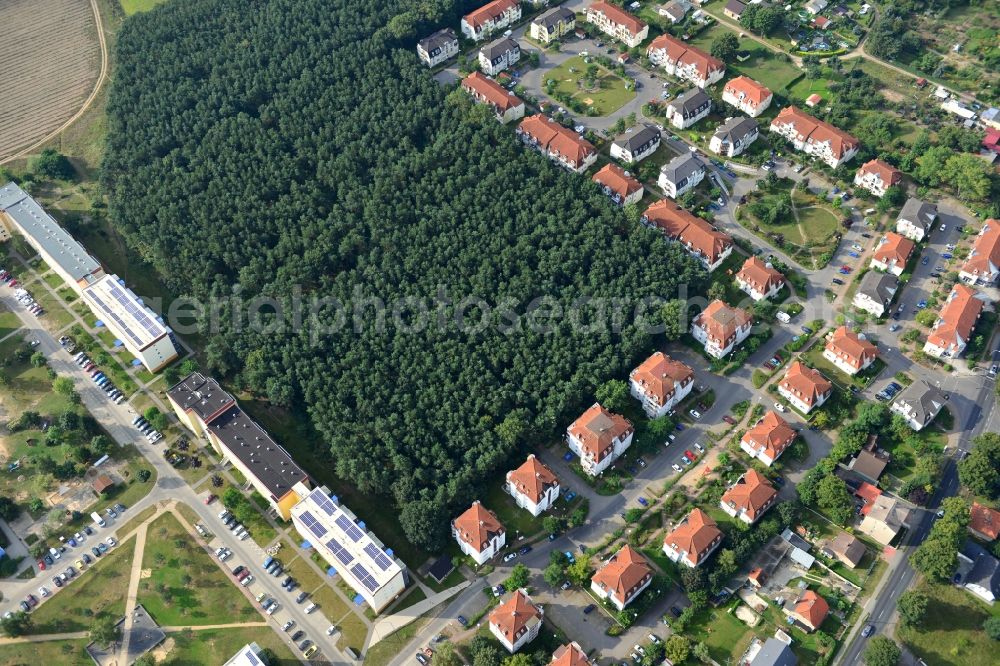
x=749 y=497
x=618 y=23
x=747 y=95
x=721 y=328
x=620 y=185
x=685 y=62
x=699 y=238
x=768 y=438
x=478 y=532
x=848 y=351
x=810 y=610
x=561 y=144
x=951 y=332
x=693 y=540
x=892 y=253
x=659 y=383
x=599 y=437
x=622 y=578
x=505 y=104
x=533 y=486
x=516 y=622
x=759 y=280
x=983 y=265
x=984 y=522
x=804 y=387
x=867 y=493
x=491 y=18
x=570 y=654
x=815 y=137
x=877 y=176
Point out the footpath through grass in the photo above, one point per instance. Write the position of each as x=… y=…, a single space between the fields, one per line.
x=182 y=585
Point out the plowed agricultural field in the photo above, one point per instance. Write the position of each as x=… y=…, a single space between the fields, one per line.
x=49 y=61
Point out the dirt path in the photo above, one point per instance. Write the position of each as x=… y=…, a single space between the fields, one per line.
x=133 y=588
x=798 y=222
x=101 y=78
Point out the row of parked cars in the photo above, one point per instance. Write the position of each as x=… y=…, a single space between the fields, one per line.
x=8 y=279
x=234 y=526
x=25 y=299
x=152 y=434
x=99 y=378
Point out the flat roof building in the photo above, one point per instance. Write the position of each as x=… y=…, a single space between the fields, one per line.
x=249 y=655
x=132 y=322
x=63 y=254
x=345 y=543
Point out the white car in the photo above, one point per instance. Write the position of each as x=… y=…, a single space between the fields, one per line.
x=701 y=449
x=695 y=413
x=780 y=407
x=43 y=591
x=509 y=556
x=676 y=467
x=246 y=581
x=331 y=630
x=272 y=608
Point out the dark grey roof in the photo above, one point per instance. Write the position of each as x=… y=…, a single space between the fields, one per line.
x=919 y=212
x=879 y=287
x=553 y=17
x=266 y=460
x=736 y=129
x=984 y=570
x=775 y=653
x=496 y=49
x=636 y=140
x=797 y=541
x=438 y=40
x=682 y=167
x=736 y=6
x=691 y=101
x=201 y=395
x=924 y=401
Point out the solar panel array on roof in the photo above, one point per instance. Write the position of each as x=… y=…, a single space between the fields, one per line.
x=121 y=307
x=350 y=529
x=252 y=658
x=314 y=525
x=364 y=577
x=378 y=557
x=134 y=308
x=339 y=551
x=320 y=499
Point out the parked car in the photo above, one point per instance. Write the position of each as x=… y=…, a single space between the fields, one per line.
x=509 y=556
x=780 y=407
x=694 y=413
x=589 y=609
x=867 y=631
x=729 y=419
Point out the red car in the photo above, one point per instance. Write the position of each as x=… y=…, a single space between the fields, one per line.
x=690 y=456
x=209 y=499
x=846 y=268
x=41 y=564
x=729 y=419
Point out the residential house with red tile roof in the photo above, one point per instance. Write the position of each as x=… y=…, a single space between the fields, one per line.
x=533 y=486
x=622 y=578
x=810 y=610
x=892 y=253
x=516 y=622
x=768 y=438
x=749 y=497
x=505 y=104
x=877 y=176
x=983 y=265
x=659 y=383
x=618 y=23
x=699 y=238
x=721 y=328
x=953 y=328
x=599 y=437
x=815 y=137
x=684 y=61
x=804 y=387
x=693 y=540
x=491 y=18
x=620 y=185
x=561 y=144
x=867 y=493
x=478 y=532
x=984 y=522
x=848 y=351
x=570 y=654
x=747 y=95
x=759 y=280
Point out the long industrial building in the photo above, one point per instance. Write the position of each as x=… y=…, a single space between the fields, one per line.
x=139 y=328
x=358 y=556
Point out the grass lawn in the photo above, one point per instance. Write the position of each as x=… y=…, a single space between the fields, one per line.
x=768 y=68
x=952 y=631
x=101 y=589
x=353 y=632
x=806 y=86
x=9 y=322
x=415 y=596
x=330 y=603
x=64 y=653
x=904 y=457
x=186 y=587
x=299 y=569
x=726 y=637
x=123 y=528
x=133 y=6
x=382 y=652
x=53 y=280
x=609 y=96
x=818 y=222
x=194 y=648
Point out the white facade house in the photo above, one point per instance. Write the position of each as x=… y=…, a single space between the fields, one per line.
x=688 y=108
x=617 y=23
x=877 y=176
x=693 y=540
x=918 y=404
x=721 y=328
x=622 y=578
x=892 y=253
x=635 y=147
x=747 y=95
x=533 y=486
x=875 y=293
x=953 y=329
x=734 y=136
x=439 y=47
x=815 y=137
x=849 y=352
x=681 y=174
x=659 y=383
x=982 y=267
x=499 y=55
x=490 y=19
x=516 y=622
x=362 y=561
x=479 y=534
x=916 y=219
x=759 y=280
x=599 y=437
x=685 y=62
x=804 y=387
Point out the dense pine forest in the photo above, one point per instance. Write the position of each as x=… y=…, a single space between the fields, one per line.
x=271 y=147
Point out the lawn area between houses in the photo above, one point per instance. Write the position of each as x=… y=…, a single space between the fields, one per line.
x=98 y=590
x=195 y=648
x=769 y=68
x=952 y=631
x=64 y=653
x=382 y=652
x=608 y=96
x=182 y=585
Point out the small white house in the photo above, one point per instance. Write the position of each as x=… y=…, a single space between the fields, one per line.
x=479 y=534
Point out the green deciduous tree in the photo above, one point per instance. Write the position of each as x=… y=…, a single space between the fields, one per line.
x=992 y=627
x=613 y=395
x=677 y=648
x=18 y=624
x=912 y=606
x=881 y=651
x=104 y=630
x=725 y=46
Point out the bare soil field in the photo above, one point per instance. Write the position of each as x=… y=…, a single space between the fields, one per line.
x=51 y=59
